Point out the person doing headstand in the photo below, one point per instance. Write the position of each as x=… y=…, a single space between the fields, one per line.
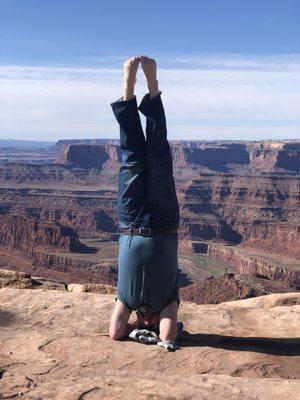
x=148 y=213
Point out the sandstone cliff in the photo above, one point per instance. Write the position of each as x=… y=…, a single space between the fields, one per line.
x=241 y=193
x=27 y=234
x=259 y=211
x=246 y=262
x=238 y=157
x=231 y=286
x=50 y=249
x=89 y=155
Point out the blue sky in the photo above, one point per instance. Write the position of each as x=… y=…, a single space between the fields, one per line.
x=228 y=69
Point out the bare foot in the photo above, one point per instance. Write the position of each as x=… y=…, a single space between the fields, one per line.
x=130 y=70
x=149 y=68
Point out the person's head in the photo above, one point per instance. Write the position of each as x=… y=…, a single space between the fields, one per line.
x=147 y=315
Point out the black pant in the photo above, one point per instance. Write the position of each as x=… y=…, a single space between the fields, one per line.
x=146 y=193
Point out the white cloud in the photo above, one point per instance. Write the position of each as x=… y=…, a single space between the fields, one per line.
x=205 y=97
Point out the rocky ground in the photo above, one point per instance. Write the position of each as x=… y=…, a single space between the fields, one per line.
x=54 y=344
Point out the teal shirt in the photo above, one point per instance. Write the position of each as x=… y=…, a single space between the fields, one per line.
x=148 y=270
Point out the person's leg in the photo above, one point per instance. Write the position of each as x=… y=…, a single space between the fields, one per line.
x=119 y=326
x=161 y=190
x=132 y=207
x=168 y=322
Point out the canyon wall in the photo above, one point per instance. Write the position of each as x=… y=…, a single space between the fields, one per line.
x=89 y=156
x=243 y=193
x=238 y=157
x=27 y=243
x=82 y=270
x=250 y=264
x=26 y=234
x=259 y=211
x=224 y=288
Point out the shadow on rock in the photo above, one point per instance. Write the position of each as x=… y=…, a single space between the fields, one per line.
x=274 y=346
x=85 y=249
x=6 y=318
x=184 y=279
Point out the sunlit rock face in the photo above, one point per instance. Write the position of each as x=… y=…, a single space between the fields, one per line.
x=238 y=350
x=243 y=194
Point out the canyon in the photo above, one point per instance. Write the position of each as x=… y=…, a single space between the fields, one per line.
x=239 y=207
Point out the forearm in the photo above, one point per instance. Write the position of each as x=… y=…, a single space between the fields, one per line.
x=130 y=326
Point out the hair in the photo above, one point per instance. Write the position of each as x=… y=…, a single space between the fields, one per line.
x=146 y=311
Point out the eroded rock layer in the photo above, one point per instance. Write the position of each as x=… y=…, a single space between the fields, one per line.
x=245 y=262
x=27 y=234
x=28 y=244
x=233 y=287
x=238 y=193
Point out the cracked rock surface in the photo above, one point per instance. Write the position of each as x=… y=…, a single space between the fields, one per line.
x=54 y=345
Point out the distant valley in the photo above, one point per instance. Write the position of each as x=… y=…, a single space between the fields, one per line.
x=239 y=205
